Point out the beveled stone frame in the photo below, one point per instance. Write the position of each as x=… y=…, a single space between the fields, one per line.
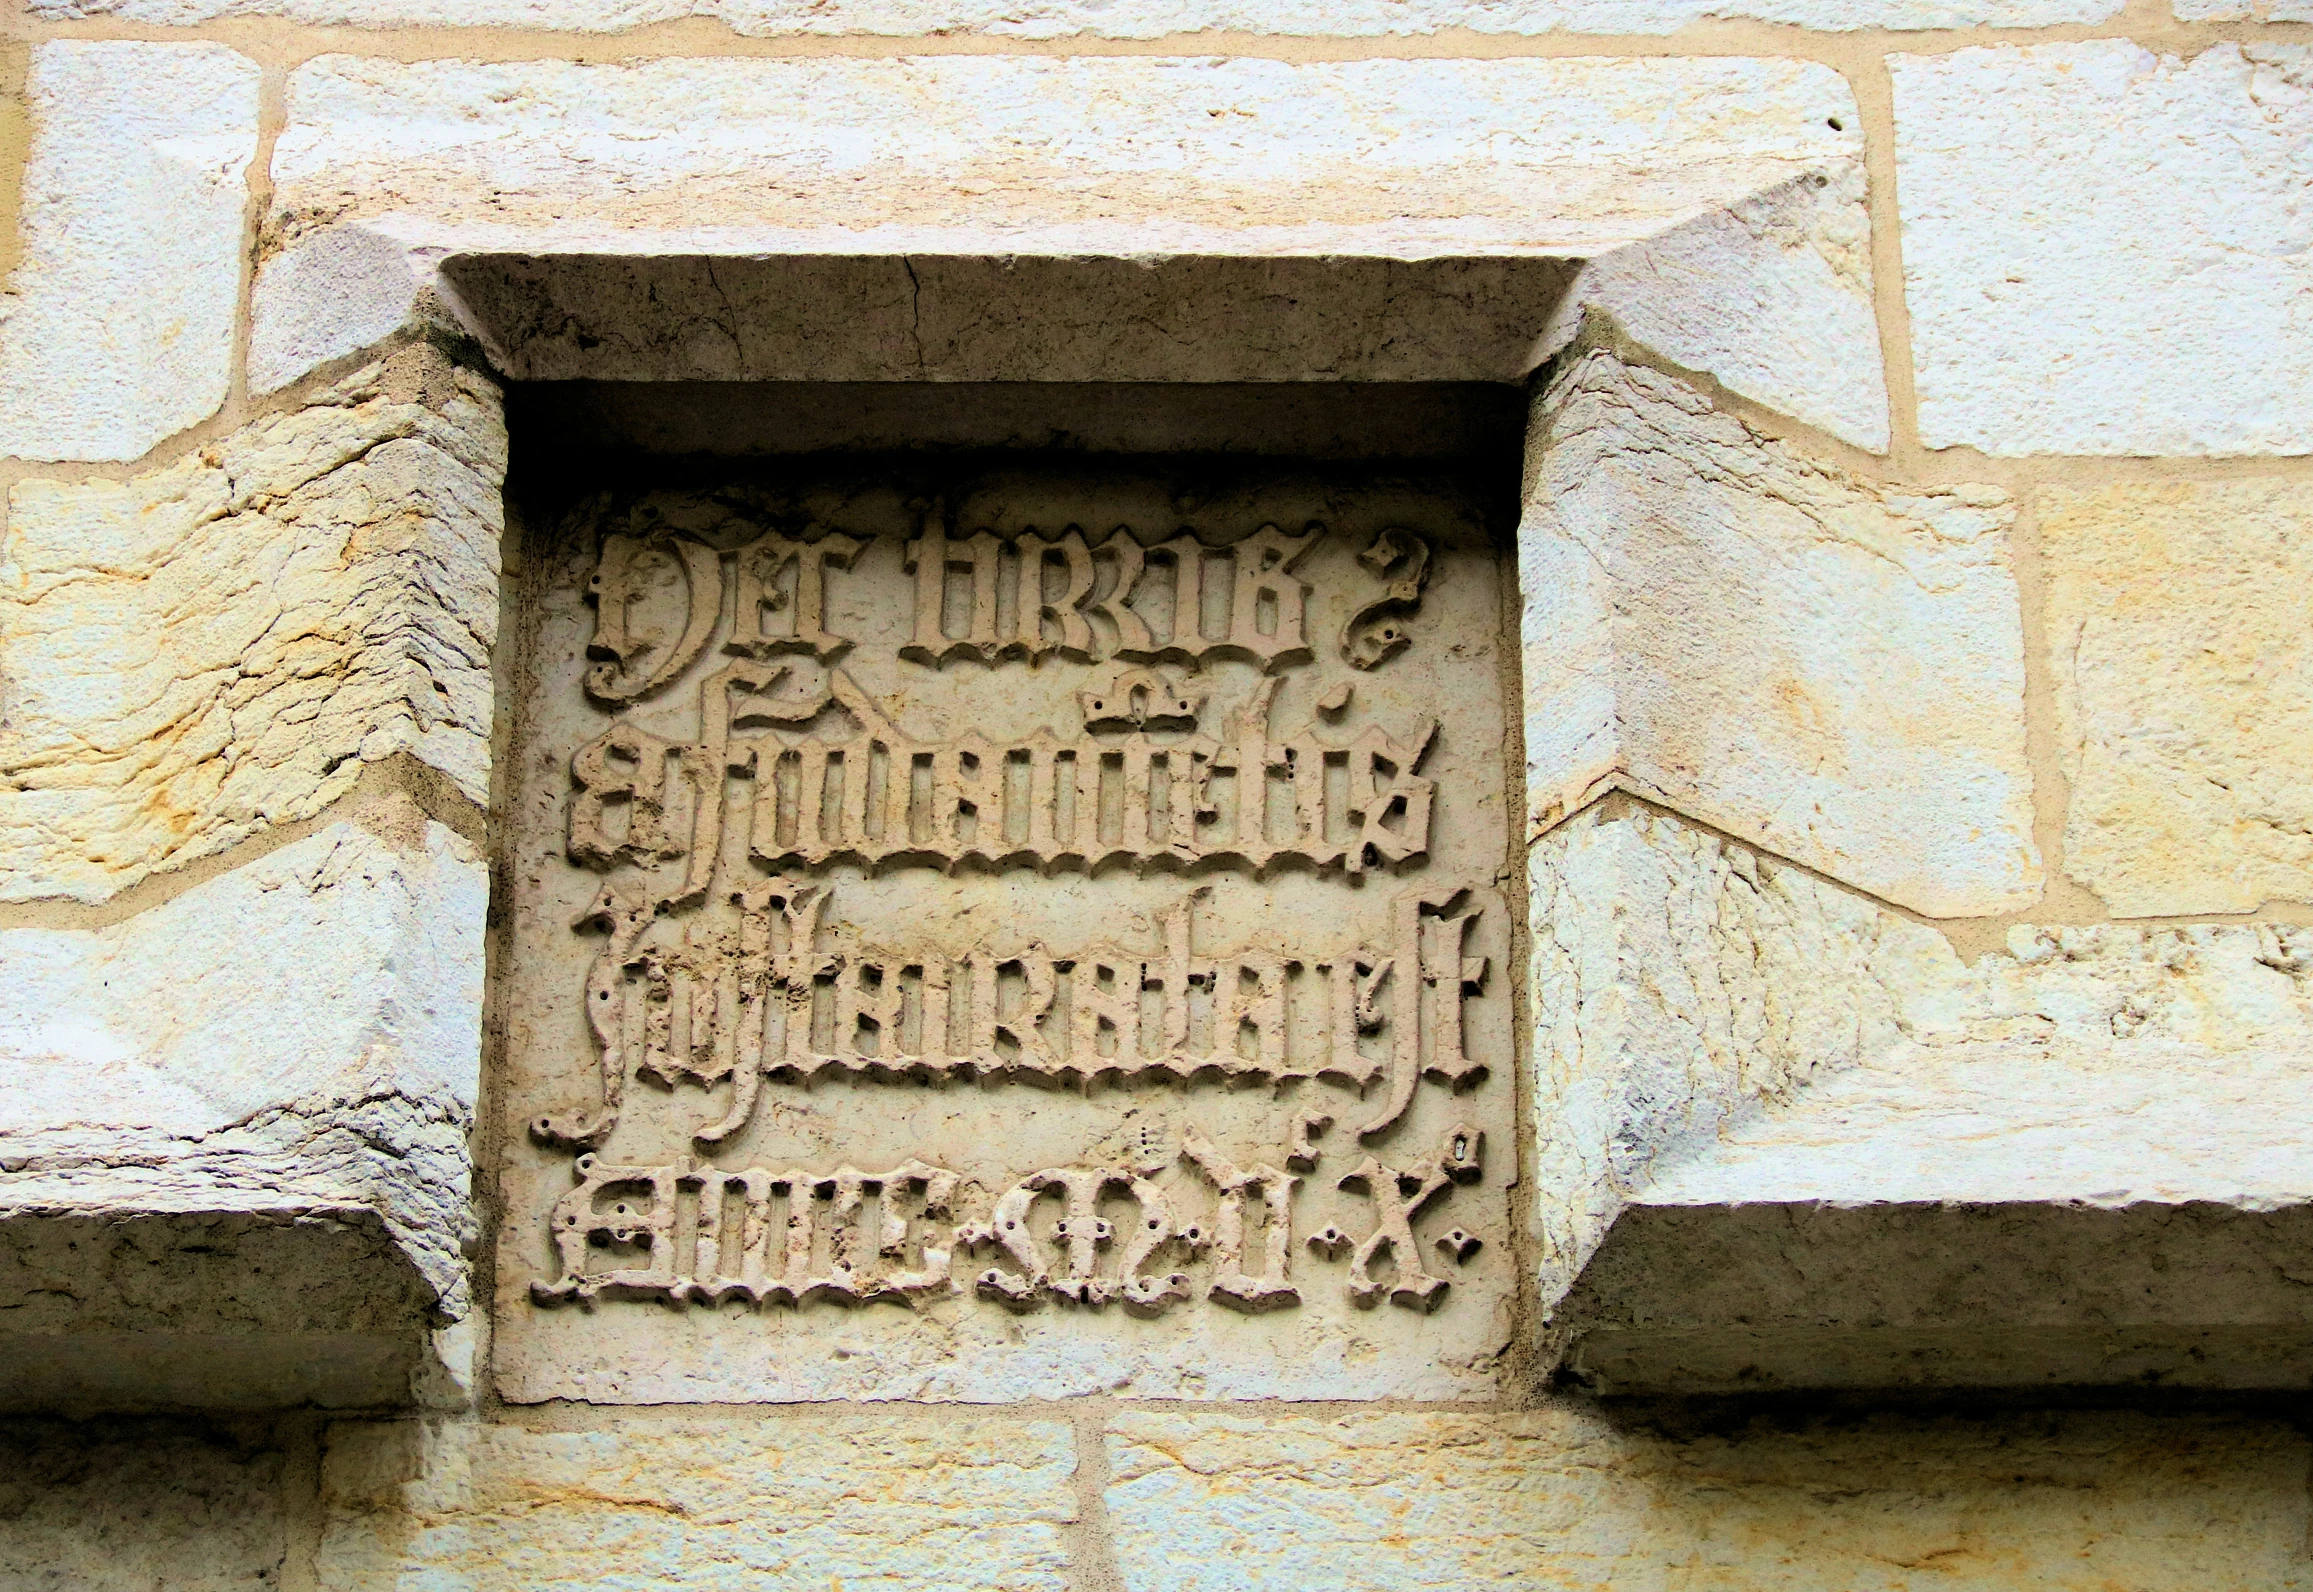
x=1713 y=311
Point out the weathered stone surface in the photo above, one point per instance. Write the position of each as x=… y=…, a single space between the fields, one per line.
x=1678 y=977
x=1095 y=996
x=300 y=1036
x=865 y=1503
x=117 y=327
x=1772 y=295
x=1201 y=319
x=199 y=653
x=1830 y=668
x=1674 y=978
x=2184 y=690
x=2054 y=308
x=1561 y=1498
x=2243 y=10
x=140 y=1504
x=1726 y=1044
x=1143 y=20
x=862 y=161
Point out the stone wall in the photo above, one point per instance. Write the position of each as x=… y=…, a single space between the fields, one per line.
x=1912 y=966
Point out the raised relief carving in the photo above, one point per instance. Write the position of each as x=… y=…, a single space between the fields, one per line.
x=787 y=1224
x=1146 y=971
x=1377 y=632
x=987 y=598
x=870 y=793
x=788 y=997
x=1397 y=1199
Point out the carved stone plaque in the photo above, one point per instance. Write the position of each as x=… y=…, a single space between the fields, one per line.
x=1011 y=932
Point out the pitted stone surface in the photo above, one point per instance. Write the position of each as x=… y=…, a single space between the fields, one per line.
x=993 y=931
x=1560 y=1498
x=118 y=327
x=865 y=1503
x=300 y=1034
x=2051 y=313
x=1827 y=667
x=1143 y=20
x=2184 y=690
x=197 y=654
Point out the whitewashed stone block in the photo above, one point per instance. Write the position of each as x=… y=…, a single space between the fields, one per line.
x=1771 y=295
x=1744 y=1065
x=2184 y=690
x=2104 y=250
x=1144 y=20
x=1828 y=667
x=849 y=163
x=1676 y=977
x=2243 y=10
x=1212 y=1501
x=117 y=328
x=872 y=1503
x=277 y=1071
x=201 y=652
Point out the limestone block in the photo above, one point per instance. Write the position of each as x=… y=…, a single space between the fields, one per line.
x=198 y=653
x=1676 y=977
x=236 y=1123
x=2105 y=250
x=2243 y=10
x=2184 y=690
x=1882 y=1164
x=142 y=1504
x=1561 y=1497
x=845 y=165
x=867 y=1503
x=1148 y=19
x=117 y=327
x=1772 y=295
x=1827 y=667
x=1143 y=1079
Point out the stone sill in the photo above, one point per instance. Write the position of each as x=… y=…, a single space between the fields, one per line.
x=235 y=1309
x=1687 y=1299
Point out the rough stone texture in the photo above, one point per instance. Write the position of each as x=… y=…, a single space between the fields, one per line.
x=140 y=1505
x=117 y=327
x=1143 y=20
x=852 y=163
x=1239 y=1293
x=199 y=653
x=1674 y=977
x=867 y=1504
x=2243 y=10
x=2184 y=690
x=1772 y=295
x=1722 y=1036
x=893 y=319
x=1829 y=668
x=2105 y=252
x=1757 y=1298
x=300 y=1035
x=1564 y=1498
x=1678 y=976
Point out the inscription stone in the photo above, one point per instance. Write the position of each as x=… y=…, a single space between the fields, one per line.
x=1003 y=932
